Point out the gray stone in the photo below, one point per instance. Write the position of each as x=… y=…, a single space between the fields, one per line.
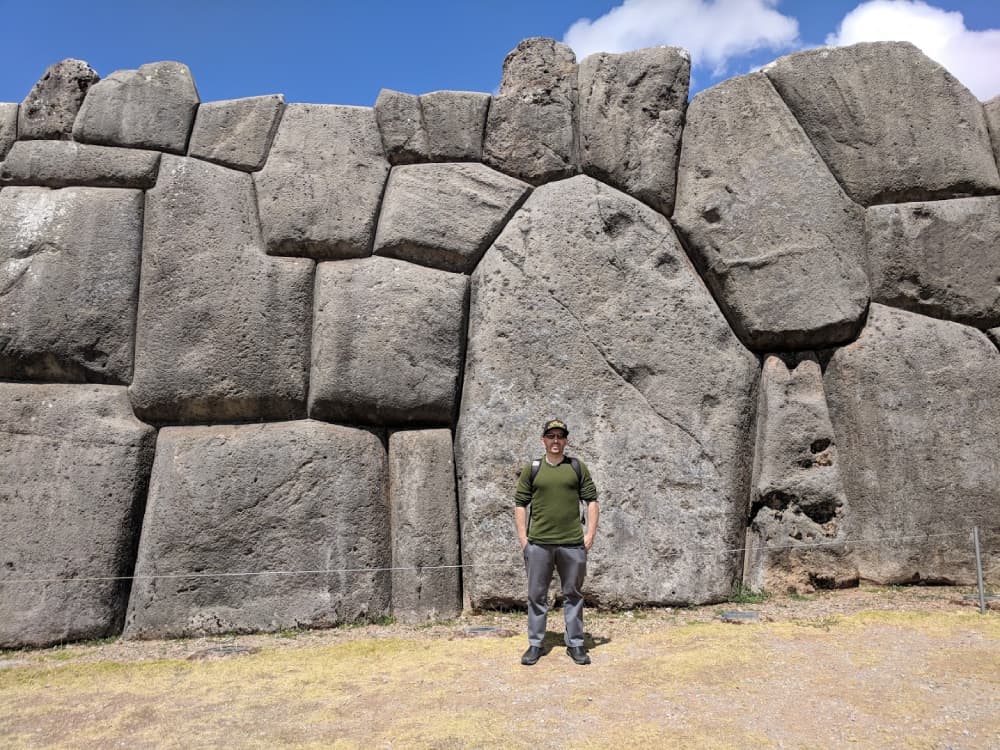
x=320 y=189
x=387 y=342
x=891 y=123
x=69 y=272
x=237 y=133
x=530 y=129
x=991 y=110
x=426 y=579
x=914 y=404
x=8 y=126
x=455 y=121
x=49 y=109
x=222 y=330
x=795 y=540
x=401 y=125
x=777 y=240
x=74 y=464
x=445 y=215
x=303 y=498
x=631 y=115
x=938 y=258
x=587 y=307
x=994 y=334
x=152 y=107
x=58 y=164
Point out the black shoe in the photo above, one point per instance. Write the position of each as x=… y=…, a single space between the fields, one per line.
x=531 y=656
x=578 y=654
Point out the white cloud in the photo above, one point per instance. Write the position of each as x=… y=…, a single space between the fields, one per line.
x=971 y=56
x=713 y=31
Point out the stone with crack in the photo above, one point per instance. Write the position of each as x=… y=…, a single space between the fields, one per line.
x=587 y=308
x=237 y=133
x=50 y=108
x=304 y=500
x=8 y=126
x=440 y=126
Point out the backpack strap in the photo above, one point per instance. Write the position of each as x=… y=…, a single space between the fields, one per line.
x=537 y=464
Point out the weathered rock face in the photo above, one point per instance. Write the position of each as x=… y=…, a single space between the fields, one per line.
x=788 y=279
x=49 y=109
x=237 y=133
x=631 y=114
x=991 y=110
x=74 y=464
x=59 y=164
x=938 y=258
x=8 y=126
x=795 y=538
x=387 y=342
x=530 y=129
x=426 y=582
x=152 y=107
x=319 y=191
x=440 y=126
x=303 y=496
x=221 y=332
x=69 y=275
x=892 y=124
x=586 y=307
x=914 y=404
x=445 y=215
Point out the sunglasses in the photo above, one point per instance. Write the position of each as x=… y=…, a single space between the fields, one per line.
x=553 y=436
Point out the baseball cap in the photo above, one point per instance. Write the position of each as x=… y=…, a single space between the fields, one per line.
x=555 y=424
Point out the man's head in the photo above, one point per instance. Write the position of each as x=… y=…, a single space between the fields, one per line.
x=554 y=435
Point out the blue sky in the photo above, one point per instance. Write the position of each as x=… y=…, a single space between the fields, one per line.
x=345 y=52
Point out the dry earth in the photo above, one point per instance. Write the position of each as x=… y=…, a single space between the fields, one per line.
x=870 y=667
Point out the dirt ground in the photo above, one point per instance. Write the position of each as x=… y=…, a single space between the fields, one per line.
x=914 y=667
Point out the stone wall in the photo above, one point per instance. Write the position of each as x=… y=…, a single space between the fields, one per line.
x=269 y=365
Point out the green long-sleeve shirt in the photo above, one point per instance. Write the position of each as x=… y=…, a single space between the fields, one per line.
x=555 y=501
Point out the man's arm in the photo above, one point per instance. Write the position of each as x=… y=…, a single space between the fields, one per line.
x=593 y=514
x=521 y=524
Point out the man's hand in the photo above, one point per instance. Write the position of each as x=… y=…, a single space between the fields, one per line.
x=524 y=542
x=588 y=542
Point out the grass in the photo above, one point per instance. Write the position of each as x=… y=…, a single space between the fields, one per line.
x=745 y=595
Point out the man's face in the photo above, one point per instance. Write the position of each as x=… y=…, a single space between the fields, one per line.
x=555 y=443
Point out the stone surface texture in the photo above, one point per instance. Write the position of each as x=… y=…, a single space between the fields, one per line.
x=938 y=258
x=59 y=164
x=991 y=110
x=586 y=306
x=891 y=123
x=69 y=275
x=387 y=342
x=631 y=115
x=8 y=126
x=426 y=579
x=152 y=107
x=222 y=331
x=302 y=496
x=439 y=126
x=74 y=464
x=445 y=215
x=50 y=108
x=401 y=124
x=791 y=277
x=531 y=126
x=914 y=404
x=236 y=133
x=795 y=537
x=320 y=189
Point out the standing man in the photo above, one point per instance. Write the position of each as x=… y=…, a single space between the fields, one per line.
x=552 y=536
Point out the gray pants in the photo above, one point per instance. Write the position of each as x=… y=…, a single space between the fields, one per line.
x=571 y=562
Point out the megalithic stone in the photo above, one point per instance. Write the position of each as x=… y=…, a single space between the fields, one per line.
x=237 y=133
x=8 y=126
x=50 y=108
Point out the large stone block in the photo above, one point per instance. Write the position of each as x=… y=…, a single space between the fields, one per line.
x=237 y=133
x=426 y=579
x=631 y=115
x=531 y=126
x=891 y=123
x=991 y=110
x=387 y=342
x=58 y=164
x=74 y=464
x=777 y=240
x=938 y=258
x=69 y=275
x=50 y=108
x=445 y=215
x=152 y=107
x=795 y=538
x=222 y=332
x=320 y=189
x=440 y=126
x=586 y=307
x=915 y=403
x=304 y=499
x=8 y=126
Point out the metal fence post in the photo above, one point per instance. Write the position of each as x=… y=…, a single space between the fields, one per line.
x=979 y=571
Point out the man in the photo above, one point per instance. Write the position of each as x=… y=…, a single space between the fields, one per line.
x=553 y=537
